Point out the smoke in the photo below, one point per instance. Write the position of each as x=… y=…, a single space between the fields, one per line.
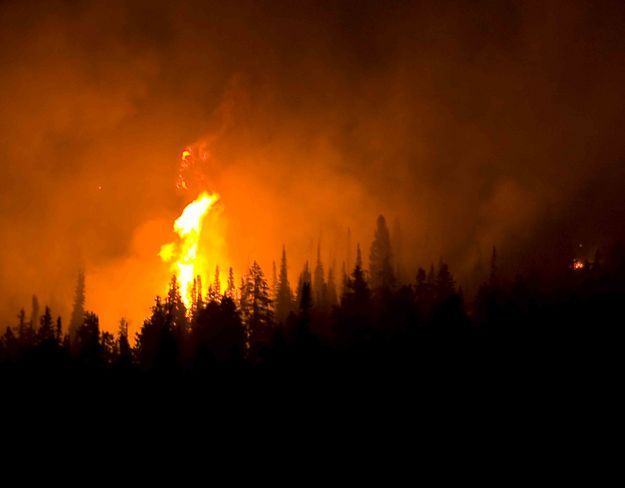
x=471 y=125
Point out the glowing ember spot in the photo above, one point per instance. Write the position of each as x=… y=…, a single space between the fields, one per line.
x=167 y=252
x=185 y=161
x=183 y=255
x=577 y=264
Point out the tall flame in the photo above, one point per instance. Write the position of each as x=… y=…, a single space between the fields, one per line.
x=183 y=255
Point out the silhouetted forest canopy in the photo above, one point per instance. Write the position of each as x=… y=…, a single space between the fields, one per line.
x=360 y=320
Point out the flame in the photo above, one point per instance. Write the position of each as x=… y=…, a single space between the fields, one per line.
x=193 y=166
x=577 y=264
x=183 y=255
x=185 y=161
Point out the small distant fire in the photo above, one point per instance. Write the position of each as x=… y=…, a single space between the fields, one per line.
x=194 y=166
x=185 y=161
x=577 y=265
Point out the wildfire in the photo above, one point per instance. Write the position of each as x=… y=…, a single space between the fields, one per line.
x=577 y=265
x=183 y=255
x=185 y=161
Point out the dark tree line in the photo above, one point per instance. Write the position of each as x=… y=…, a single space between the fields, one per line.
x=366 y=319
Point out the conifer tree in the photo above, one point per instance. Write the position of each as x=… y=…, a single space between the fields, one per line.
x=87 y=343
x=381 y=270
x=176 y=308
x=21 y=318
x=445 y=284
x=34 y=313
x=59 y=330
x=274 y=282
x=331 y=295
x=353 y=316
x=156 y=345
x=231 y=291
x=123 y=345
x=284 y=298
x=304 y=278
x=421 y=290
x=318 y=284
x=78 y=310
x=344 y=279
x=215 y=288
x=26 y=331
x=255 y=307
x=358 y=289
x=46 y=331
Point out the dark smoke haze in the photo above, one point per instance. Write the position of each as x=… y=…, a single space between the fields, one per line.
x=472 y=124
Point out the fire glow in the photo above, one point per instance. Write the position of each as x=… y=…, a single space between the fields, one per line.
x=185 y=161
x=184 y=255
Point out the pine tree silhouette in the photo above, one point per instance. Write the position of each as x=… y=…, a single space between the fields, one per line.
x=78 y=310
x=89 y=351
x=256 y=310
x=445 y=284
x=156 y=347
x=284 y=298
x=319 y=284
x=357 y=287
x=304 y=277
x=353 y=316
x=215 y=288
x=332 y=298
x=34 y=314
x=380 y=258
x=124 y=357
x=46 y=331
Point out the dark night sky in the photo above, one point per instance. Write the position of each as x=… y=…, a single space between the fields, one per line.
x=471 y=123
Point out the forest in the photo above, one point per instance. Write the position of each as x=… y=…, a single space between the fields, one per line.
x=363 y=323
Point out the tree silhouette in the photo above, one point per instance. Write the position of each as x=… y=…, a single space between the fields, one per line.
x=256 y=310
x=414 y=329
x=109 y=348
x=176 y=308
x=124 y=357
x=9 y=347
x=215 y=289
x=88 y=349
x=319 y=286
x=380 y=258
x=284 y=299
x=46 y=331
x=218 y=336
x=231 y=290
x=156 y=347
x=332 y=298
x=353 y=318
x=274 y=282
x=34 y=314
x=197 y=300
x=358 y=291
x=78 y=310
x=304 y=277
x=445 y=284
